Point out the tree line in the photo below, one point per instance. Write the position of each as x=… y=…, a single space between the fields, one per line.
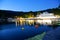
x=12 y=14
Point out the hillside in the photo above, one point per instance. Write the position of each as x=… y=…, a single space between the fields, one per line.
x=8 y=13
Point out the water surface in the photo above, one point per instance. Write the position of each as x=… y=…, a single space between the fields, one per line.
x=11 y=32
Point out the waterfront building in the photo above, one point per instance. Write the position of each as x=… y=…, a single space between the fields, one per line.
x=46 y=18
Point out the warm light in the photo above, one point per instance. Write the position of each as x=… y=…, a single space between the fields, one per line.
x=30 y=21
x=22 y=20
x=47 y=21
x=57 y=16
x=39 y=21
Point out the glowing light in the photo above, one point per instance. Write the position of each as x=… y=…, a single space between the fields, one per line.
x=22 y=28
x=30 y=21
x=40 y=21
x=22 y=20
x=47 y=21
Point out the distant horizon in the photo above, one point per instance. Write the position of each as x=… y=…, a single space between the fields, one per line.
x=28 y=5
x=24 y=11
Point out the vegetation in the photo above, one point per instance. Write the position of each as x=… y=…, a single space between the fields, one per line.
x=7 y=13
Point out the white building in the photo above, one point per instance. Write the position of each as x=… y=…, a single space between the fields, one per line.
x=46 y=18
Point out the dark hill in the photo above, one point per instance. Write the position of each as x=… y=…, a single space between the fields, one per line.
x=8 y=13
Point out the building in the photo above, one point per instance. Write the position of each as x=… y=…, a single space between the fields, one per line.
x=46 y=17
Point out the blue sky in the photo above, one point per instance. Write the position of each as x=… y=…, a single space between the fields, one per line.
x=28 y=5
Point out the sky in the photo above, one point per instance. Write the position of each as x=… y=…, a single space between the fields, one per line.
x=28 y=5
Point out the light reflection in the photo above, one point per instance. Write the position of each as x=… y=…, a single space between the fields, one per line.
x=30 y=22
x=38 y=19
x=22 y=21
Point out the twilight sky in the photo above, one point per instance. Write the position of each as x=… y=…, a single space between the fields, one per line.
x=28 y=5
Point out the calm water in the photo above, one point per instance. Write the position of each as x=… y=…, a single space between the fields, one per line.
x=11 y=32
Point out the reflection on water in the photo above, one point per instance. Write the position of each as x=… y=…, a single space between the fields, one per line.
x=10 y=31
x=23 y=21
